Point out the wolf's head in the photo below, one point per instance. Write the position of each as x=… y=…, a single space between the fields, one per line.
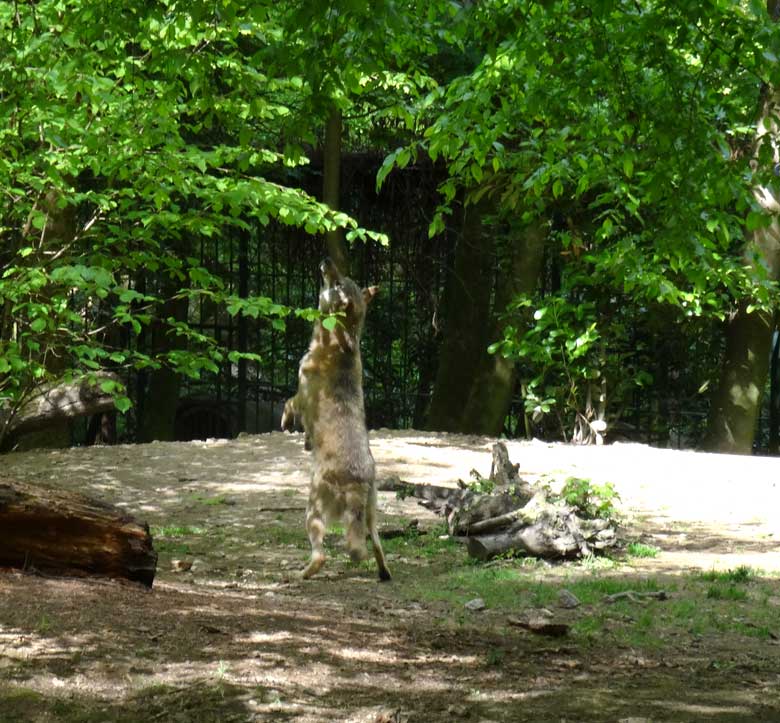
x=341 y=294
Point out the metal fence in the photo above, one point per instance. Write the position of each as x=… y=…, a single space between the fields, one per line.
x=399 y=344
x=401 y=336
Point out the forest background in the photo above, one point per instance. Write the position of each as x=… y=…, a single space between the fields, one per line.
x=571 y=208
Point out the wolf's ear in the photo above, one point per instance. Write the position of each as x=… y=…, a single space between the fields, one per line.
x=370 y=293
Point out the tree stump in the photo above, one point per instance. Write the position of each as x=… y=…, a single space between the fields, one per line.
x=66 y=533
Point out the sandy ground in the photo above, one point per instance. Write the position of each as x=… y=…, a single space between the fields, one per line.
x=343 y=647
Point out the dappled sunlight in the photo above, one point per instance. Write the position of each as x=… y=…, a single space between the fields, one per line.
x=240 y=631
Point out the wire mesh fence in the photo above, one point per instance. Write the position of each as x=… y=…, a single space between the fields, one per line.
x=402 y=334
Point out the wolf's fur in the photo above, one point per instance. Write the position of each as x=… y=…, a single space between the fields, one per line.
x=329 y=404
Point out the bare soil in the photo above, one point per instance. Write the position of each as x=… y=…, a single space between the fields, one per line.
x=238 y=637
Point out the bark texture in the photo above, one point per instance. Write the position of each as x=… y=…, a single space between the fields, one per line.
x=737 y=400
x=65 y=533
x=467 y=308
x=491 y=390
x=164 y=386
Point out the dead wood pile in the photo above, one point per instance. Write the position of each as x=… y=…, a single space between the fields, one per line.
x=513 y=516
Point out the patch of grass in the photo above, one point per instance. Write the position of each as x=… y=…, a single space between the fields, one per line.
x=284 y=535
x=177 y=531
x=588 y=627
x=14 y=696
x=168 y=538
x=739 y=575
x=222 y=670
x=764 y=632
x=593 y=590
x=495 y=656
x=211 y=501
x=640 y=549
x=415 y=544
x=506 y=587
x=170 y=547
x=726 y=592
x=597 y=562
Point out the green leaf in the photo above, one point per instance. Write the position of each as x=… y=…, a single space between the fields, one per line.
x=122 y=404
x=109 y=386
x=755 y=220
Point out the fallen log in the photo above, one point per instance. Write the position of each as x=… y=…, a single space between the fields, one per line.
x=57 y=402
x=58 y=532
x=486 y=511
x=542 y=538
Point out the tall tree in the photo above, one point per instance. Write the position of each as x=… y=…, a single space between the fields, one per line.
x=466 y=307
x=737 y=400
x=491 y=389
x=575 y=109
x=155 y=127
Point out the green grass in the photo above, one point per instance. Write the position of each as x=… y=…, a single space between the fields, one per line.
x=168 y=538
x=639 y=549
x=422 y=545
x=177 y=531
x=709 y=604
x=726 y=592
x=210 y=501
x=738 y=575
x=204 y=701
x=593 y=590
x=283 y=535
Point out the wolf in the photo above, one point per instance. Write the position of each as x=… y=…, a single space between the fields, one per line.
x=329 y=405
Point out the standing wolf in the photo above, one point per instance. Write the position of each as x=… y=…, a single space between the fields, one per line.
x=329 y=404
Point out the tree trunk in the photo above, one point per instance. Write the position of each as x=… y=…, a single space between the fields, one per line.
x=66 y=533
x=737 y=401
x=162 y=392
x=467 y=308
x=61 y=229
x=331 y=188
x=494 y=383
x=774 y=395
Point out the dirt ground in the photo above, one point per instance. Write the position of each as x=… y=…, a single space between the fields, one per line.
x=239 y=638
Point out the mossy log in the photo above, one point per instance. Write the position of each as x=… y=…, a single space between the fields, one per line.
x=58 y=532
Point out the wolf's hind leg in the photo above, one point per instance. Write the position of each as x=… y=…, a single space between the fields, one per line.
x=379 y=555
x=315 y=527
x=355 y=524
